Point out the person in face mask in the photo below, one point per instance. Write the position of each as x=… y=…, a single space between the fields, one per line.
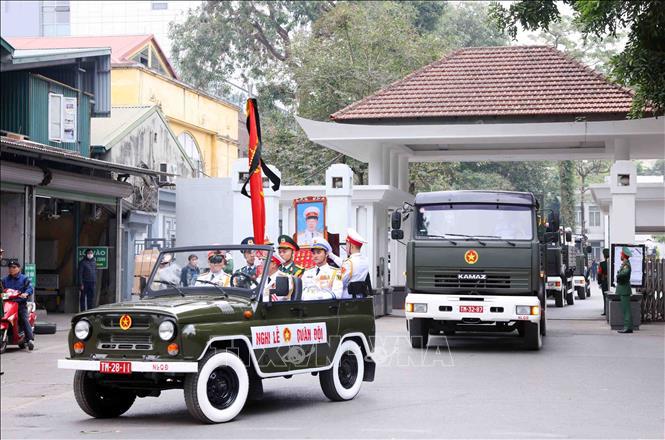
x=87 y=274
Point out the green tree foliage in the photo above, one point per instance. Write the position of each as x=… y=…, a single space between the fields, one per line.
x=641 y=65
x=651 y=168
x=567 y=193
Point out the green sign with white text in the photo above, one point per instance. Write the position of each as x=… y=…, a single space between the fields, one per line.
x=101 y=255
x=30 y=271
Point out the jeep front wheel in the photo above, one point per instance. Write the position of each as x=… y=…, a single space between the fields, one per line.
x=418 y=332
x=218 y=392
x=343 y=380
x=99 y=401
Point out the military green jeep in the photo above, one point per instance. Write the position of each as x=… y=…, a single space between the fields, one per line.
x=217 y=335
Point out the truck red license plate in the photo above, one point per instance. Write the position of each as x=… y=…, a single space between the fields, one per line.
x=471 y=309
x=110 y=367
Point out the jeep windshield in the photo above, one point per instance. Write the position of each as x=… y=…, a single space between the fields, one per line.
x=465 y=221
x=216 y=271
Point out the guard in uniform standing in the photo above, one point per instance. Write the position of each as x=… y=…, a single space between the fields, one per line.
x=356 y=266
x=603 y=278
x=287 y=247
x=624 y=290
x=321 y=281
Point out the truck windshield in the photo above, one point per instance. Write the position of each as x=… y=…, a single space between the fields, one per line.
x=507 y=222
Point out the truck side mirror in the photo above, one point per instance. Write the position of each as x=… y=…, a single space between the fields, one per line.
x=396 y=220
x=569 y=236
x=397 y=234
x=589 y=249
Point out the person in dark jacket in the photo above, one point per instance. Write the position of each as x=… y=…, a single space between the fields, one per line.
x=17 y=281
x=624 y=290
x=603 y=278
x=87 y=280
x=190 y=272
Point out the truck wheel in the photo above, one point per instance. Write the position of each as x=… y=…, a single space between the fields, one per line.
x=343 y=380
x=533 y=340
x=3 y=341
x=581 y=294
x=543 y=323
x=218 y=392
x=570 y=300
x=558 y=298
x=98 y=401
x=418 y=332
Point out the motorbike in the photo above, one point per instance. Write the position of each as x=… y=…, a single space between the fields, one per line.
x=10 y=330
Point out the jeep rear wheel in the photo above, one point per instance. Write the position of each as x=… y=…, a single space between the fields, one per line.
x=99 y=401
x=218 y=392
x=3 y=341
x=418 y=332
x=343 y=380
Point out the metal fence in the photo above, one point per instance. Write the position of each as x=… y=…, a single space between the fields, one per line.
x=152 y=243
x=653 y=301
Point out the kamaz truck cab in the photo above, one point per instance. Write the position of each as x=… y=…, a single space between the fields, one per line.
x=473 y=264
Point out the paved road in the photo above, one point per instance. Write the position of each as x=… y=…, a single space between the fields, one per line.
x=587 y=382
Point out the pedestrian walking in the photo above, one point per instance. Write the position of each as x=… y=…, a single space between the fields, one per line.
x=603 y=279
x=625 y=291
x=594 y=269
x=87 y=274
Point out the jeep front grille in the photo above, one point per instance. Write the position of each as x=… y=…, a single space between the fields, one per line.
x=126 y=342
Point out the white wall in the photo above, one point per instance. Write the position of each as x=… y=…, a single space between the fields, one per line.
x=204 y=212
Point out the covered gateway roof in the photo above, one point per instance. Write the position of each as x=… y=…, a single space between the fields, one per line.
x=495 y=81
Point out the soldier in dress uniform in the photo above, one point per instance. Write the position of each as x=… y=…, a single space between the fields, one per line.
x=306 y=237
x=624 y=290
x=216 y=274
x=356 y=266
x=286 y=248
x=251 y=266
x=322 y=281
x=603 y=278
x=273 y=272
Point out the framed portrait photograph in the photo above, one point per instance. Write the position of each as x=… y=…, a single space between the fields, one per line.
x=310 y=219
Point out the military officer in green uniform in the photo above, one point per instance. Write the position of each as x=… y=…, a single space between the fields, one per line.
x=286 y=248
x=624 y=290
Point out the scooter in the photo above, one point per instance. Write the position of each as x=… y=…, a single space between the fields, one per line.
x=10 y=330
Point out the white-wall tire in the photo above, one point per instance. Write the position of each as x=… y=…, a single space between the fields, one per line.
x=344 y=379
x=222 y=374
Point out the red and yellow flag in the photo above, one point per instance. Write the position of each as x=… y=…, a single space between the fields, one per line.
x=255 y=178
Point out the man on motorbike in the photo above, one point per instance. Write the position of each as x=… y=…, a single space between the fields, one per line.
x=17 y=281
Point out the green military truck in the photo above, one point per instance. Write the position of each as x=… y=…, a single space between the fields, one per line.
x=473 y=264
x=217 y=338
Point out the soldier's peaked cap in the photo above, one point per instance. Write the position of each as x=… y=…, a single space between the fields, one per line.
x=626 y=251
x=248 y=240
x=321 y=243
x=354 y=238
x=311 y=212
x=286 y=242
x=277 y=259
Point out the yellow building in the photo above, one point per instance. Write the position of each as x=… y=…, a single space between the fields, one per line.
x=207 y=127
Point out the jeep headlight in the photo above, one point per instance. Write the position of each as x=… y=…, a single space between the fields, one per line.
x=166 y=330
x=82 y=329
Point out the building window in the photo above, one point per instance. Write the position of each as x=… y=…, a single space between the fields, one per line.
x=55 y=117
x=159 y=6
x=164 y=168
x=594 y=217
x=191 y=149
x=578 y=218
x=143 y=57
x=55 y=18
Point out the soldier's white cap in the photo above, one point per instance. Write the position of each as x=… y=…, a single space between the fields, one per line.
x=311 y=212
x=321 y=243
x=277 y=259
x=354 y=238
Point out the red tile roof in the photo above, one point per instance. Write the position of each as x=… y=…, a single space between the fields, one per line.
x=495 y=81
x=122 y=46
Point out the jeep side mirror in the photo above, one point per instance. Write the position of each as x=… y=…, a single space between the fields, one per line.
x=396 y=220
x=397 y=234
x=281 y=287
